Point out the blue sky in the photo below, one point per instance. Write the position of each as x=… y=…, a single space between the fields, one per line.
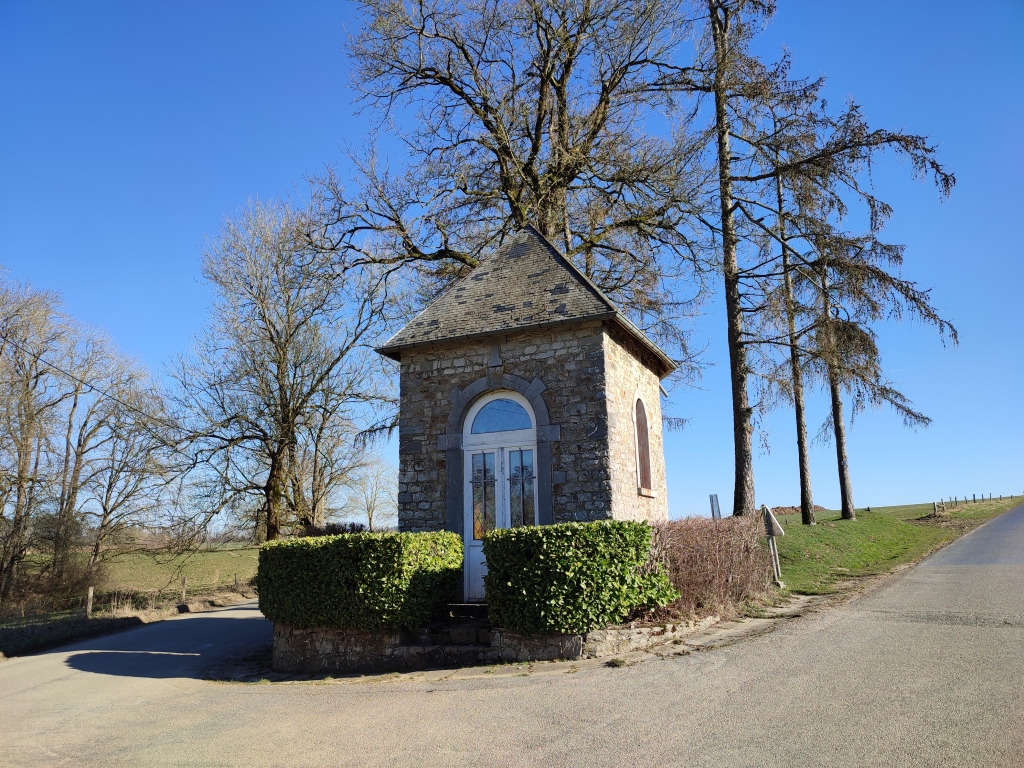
x=129 y=130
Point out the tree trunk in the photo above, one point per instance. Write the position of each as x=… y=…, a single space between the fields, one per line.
x=95 y=556
x=836 y=391
x=743 y=492
x=839 y=429
x=273 y=493
x=10 y=558
x=806 y=496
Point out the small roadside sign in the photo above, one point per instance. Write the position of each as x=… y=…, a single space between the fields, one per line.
x=716 y=512
x=771 y=530
x=771 y=523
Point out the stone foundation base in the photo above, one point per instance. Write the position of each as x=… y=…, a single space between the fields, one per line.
x=593 y=644
x=335 y=650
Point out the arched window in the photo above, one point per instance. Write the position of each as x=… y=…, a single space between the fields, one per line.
x=501 y=415
x=643 y=447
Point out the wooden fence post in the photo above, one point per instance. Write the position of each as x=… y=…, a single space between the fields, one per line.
x=184 y=587
x=236 y=582
x=88 y=604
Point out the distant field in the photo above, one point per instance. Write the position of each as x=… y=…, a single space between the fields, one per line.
x=204 y=570
x=134 y=589
x=816 y=558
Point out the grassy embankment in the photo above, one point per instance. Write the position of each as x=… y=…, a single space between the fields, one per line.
x=824 y=558
x=135 y=589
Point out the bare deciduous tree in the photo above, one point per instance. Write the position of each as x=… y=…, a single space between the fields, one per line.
x=531 y=111
x=67 y=432
x=372 y=494
x=281 y=365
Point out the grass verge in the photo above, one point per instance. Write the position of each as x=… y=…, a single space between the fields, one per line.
x=818 y=560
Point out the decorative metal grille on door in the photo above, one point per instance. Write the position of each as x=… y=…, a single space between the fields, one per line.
x=483 y=494
x=520 y=480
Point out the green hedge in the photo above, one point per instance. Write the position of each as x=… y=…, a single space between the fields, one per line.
x=572 y=577
x=367 y=581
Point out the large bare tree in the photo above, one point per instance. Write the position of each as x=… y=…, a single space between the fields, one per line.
x=529 y=111
x=281 y=362
x=31 y=398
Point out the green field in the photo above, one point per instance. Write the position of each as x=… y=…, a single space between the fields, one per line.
x=131 y=589
x=206 y=571
x=817 y=559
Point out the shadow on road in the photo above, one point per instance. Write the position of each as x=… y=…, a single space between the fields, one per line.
x=179 y=648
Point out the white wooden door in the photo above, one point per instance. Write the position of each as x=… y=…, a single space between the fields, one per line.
x=500 y=493
x=482 y=469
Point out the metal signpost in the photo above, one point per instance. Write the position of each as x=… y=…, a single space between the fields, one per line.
x=773 y=529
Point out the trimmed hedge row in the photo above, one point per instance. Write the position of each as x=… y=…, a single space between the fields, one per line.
x=366 y=581
x=572 y=577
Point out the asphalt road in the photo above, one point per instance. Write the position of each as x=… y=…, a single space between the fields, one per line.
x=927 y=670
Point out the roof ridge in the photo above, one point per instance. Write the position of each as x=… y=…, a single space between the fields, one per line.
x=526 y=282
x=573 y=268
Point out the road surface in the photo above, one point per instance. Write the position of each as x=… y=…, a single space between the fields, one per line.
x=927 y=670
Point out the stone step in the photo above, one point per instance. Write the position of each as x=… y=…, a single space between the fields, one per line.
x=447 y=656
x=465 y=632
x=467 y=610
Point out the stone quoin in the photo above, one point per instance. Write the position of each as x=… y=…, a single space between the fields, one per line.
x=527 y=398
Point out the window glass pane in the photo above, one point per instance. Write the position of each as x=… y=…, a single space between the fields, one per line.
x=501 y=415
x=483 y=494
x=478 y=496
x=489 y=506
x=643 y=447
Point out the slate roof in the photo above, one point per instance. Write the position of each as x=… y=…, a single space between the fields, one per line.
x=525 y=284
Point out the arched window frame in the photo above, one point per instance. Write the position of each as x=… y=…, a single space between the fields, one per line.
x=642 y=445
x=451 y=443
x=494 y=438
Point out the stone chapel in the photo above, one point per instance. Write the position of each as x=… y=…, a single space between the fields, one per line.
x=527 y=398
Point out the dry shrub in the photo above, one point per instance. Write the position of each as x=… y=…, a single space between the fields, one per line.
x=715 y=564
x=795 y=510
x=43 y=591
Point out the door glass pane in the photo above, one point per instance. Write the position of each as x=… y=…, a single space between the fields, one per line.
x=515 y=481
x=483 y=494
x=529 y=516
x=521 y=488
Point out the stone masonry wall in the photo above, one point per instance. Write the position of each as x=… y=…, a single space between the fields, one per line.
x=627 y=379
x=568 y=359
x=593 y=375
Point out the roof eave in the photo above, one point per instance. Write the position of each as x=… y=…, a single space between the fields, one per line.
x=394 y=351
x=668 y=364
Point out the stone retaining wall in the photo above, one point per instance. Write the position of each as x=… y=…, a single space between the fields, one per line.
x=334 y=650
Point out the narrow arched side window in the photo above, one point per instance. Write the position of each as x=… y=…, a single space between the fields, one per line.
x=643 y=447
